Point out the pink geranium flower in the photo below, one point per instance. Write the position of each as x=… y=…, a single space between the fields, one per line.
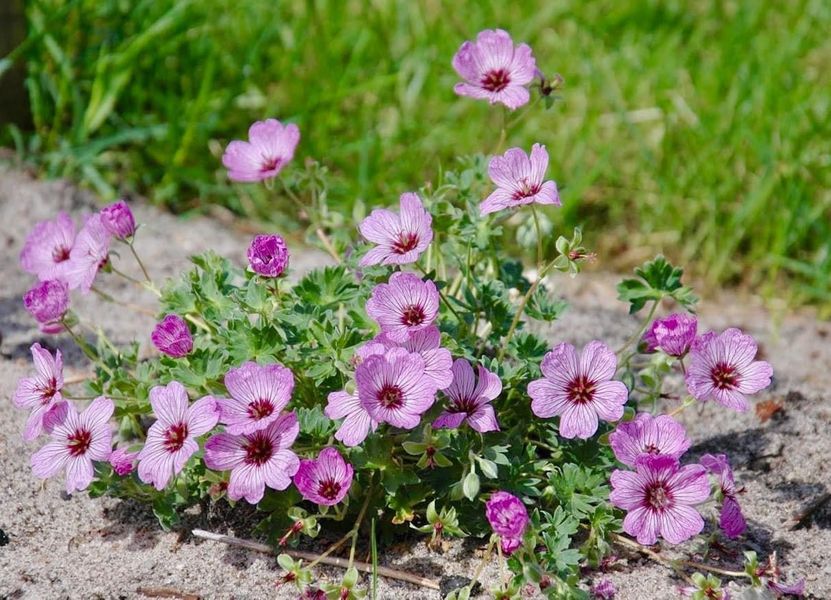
x=258 y=394
x=495 y=70
x=722 y=368
x=403 y=306
x=661 y=435
x=731 y=519
x=393 y=389
x=75 y=441
x=673 y=334
x=172 y=336
x=171 y=440
x=268 y=255
x=118 y=220
x=40 y=392
x=47 y=248
x=89 y=254
x=508 y=518
x=659 y=497
x=269 y=148
x=400 y=238
x=324 y=480
x=257 y=459
x=48 y=302
x=470 y=400
x=578 y=389
x=519 y=180
x=356 y=423
x=438 y=362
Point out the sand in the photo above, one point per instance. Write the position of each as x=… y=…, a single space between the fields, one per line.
x=77 y=547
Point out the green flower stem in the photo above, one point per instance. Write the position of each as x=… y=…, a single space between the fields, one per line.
x=624 y=541
x=485 y=558
x=138 y=260
x=88 y=350
x=688 y=401
x=134 y=307
x=442 y=296
x=638 y=334
x=314 y=219
x=521 y=309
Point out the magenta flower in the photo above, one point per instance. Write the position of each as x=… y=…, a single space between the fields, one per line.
x=118 y=220
x=731 y=519
x=356 y=420
x=400 y=238
x=659 y=497
x=519 y=180
x=324 y=480
x=470 y=400
x=393 y=388
x=75 y=441
x=258 y=394
x=48 y=302
x=89 y=254
x=47 y=248
x=257 y=459
x=403 y=306
x=603 y=590
x=787 y=589
x=660 y=436
x=42 y=391
x=268 y=255
x=508 y=518
x=578 y=389
x=673 y=334
x=722 y=369
x=171 y=336
x=269 y=148
x=494 y=70
x=171 y=440
x=438 y=362
x=122 y=461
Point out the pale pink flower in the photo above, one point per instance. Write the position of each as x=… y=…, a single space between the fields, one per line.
x=495 y=70
x=731 y=519
x=89 y=254
x=722 y=368
x=171 y=440
x=400 y=238
x=470 y=400
x=40 y=392
x=403 y=306
x=269 y=148
x=356 y=423
x=578 y=389
x=520 y=180
x=324 y=480
x=438 y=362
x=75 y=441
x=661 y=435
x=257 y=459
x=660 y=497
x=258 y=394
x=47 y=248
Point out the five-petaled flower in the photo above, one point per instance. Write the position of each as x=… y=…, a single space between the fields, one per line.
x=495 y=70
x=403 y=306
x=470 y=400
x=89 y=254
x=269 y=148
x=258 y=394
x=75 y=441
x=731 y=519
x=661 y=435
x=324 y=480
x=520 y=180
x=40 y=392
x=722 y=368
x=171 y=440
x=257 y=459
x=400 y=238
x=660 y=496
x=578 y=389
x=508 y=518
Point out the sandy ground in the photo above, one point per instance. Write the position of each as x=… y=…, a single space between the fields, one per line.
x=75 y=547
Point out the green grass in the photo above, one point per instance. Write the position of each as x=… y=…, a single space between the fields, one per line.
x=700 y=129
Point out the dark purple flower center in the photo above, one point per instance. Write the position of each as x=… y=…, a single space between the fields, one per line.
x=329 y=489
x=496 y=80
x=581 y=390
x=258 y=450
x=390 y=396
x=658 y=496
x=405 y=242
x=526 y=189
x=463 y=405
x=269 y=164
x=413 y=315
x=48 y=392
x=259 y=409
x=651 y=449
x=724 y=376
x=79 y=442
x=175 y=436
x=60 y=254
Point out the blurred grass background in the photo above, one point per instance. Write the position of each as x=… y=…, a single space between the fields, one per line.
x=700 y=129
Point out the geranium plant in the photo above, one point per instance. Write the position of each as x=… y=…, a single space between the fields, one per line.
x=404 y=384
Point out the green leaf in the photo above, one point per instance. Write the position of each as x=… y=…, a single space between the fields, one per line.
x=657 y=279
x=470 y=486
